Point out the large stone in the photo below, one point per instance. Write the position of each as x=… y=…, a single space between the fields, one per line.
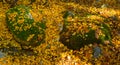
x=24 y=28
x=79 y=31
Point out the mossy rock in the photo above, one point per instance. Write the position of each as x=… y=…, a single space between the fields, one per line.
x=23 y=27
x=90 y=32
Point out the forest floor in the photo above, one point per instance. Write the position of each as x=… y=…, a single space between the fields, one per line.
x=54 y=52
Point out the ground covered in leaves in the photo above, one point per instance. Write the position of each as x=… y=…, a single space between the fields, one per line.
x=52 y=51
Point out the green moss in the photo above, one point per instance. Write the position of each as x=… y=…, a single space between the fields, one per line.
x=24 y=28
x=79 y=39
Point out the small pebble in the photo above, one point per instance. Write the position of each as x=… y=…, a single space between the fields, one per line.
x=2 y=54
x=97 y=52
